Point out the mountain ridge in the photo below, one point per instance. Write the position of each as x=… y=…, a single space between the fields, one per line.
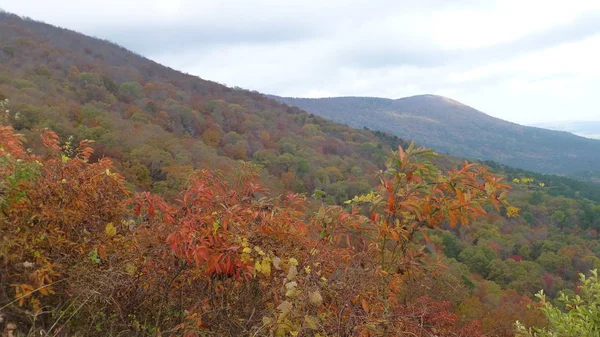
x=452 y=127
x=583 y=128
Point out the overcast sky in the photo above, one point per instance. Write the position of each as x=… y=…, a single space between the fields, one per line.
x=525 y=61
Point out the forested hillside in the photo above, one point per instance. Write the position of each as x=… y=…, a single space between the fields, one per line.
x=159 y=124
x=136 y=200
x=460 y=130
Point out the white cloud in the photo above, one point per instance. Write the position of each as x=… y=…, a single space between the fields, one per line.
x=503 y=21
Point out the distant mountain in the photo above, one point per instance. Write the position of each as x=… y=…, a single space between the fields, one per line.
x=588 y=129
x=452 y=127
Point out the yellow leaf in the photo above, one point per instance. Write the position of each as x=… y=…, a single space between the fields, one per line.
x=291 y=293
x=285 y=307
x=130 y=268
x=110 y=229
x=312 y=322
x=292 y=273
x=35 y=303
x=315 y=298
x=258 y=266
x=371 y=327
x=277 y=263
x=291 y=289
x=293 y=261
x=266 y=267
x=512 y=212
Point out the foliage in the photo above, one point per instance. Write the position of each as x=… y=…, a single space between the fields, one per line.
x=452 y=127
x=556 y=185
x=80 y=255
x=191 y=214
x=577 y=315
x=152 y=120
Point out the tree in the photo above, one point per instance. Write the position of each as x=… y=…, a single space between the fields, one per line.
x=415 y=196
x=578 y=315
x=61 y=223
x=478 y=258
x=212 y=137
x=131 y=89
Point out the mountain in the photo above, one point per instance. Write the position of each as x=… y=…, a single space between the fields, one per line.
x=83 y=254
x=158 y=124
x=452 y=127
x=588 y=129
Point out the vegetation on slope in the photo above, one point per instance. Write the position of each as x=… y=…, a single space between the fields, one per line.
x=449 y=126
x=81 y=255
x=98 y=240
x=576 y=316
x=555 y=185
x=159 y=124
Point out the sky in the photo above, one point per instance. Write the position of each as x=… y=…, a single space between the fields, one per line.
x=526 y=61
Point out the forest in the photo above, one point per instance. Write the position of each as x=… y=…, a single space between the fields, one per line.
x=140 y=201
x=452 y=127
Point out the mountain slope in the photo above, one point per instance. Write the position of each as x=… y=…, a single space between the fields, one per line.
x=159 y=124
x=101 y=263
x=452 y=127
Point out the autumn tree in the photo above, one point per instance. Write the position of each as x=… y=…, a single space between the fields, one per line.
x=414 y=196
x=60 y=216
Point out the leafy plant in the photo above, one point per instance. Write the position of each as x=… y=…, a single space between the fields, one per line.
x=577 y=315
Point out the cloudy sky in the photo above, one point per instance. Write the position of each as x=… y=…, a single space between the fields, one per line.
x=526 y=61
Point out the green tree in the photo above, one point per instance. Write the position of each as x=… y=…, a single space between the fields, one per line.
x=133 y=89
x=578 y=315
x=560 y=218
x=478 y=258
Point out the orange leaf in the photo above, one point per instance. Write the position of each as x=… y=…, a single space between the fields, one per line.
x=390 y=202
x=426 y=237
x=364 y=305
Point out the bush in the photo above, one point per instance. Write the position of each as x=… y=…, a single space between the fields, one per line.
x=578 y=315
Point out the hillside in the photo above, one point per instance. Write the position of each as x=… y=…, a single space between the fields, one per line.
x=159 y=124
x=202 y=210
x=449 y=126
